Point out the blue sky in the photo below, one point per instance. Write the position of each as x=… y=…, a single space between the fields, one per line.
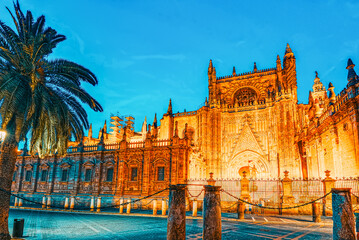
x=145 y=52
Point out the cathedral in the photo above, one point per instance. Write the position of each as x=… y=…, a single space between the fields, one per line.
x=251 y=122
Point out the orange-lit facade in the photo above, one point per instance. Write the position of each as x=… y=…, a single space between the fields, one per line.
x=250 y=122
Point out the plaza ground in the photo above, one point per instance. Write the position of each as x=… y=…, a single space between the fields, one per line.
x=41 y=224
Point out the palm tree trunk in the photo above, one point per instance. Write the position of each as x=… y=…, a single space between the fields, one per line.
x=7 y=164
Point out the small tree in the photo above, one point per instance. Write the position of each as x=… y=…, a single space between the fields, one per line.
x=39 y=96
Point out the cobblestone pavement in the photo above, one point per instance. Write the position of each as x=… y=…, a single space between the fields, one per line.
x=67 y=225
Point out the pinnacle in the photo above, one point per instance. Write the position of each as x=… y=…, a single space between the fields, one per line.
x=288 y=49
x=350 y=63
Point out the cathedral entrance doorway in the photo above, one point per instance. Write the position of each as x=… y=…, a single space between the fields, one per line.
x=250 y=162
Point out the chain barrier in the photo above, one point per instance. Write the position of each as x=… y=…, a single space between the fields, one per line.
x=81 y=208
x=195 y=196
x=276 y=208
x=230 y=206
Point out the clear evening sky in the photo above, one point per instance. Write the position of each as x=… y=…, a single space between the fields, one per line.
x=146 y=52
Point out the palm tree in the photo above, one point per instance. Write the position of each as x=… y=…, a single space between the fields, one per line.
x=38 y=96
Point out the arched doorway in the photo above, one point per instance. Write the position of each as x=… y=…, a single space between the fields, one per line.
x=251 y=162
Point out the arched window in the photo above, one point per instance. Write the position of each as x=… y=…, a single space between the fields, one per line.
x=64 y=175
x=245 y=96
x=109 y=176
x=88 y=174
x=43 y=175
x=28 y=176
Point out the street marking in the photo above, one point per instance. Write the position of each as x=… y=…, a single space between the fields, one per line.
x=98 y=225
x=306 y=233
x=88 y=225
x=284 y=236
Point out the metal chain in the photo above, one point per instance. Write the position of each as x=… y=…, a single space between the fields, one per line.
x=254 y=204
x=230 y=206
x=195 y=196
x=85 y=208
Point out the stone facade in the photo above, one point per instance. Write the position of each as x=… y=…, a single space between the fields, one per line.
x=251 y=122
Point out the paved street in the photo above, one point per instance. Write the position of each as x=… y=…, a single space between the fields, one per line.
x=65 y=225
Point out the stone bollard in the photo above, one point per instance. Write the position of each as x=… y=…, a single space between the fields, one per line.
x=240 y=209
x=98 y=204
x=194 y=209
x=43 y=202
x=176 y=221
x=154 y=205
x=48 y=205
x=164 y=207
x=20 y=202
x=128 y=209
x=92 y=204
x=72 y=203
x=66 y=205
x=212 y=224
x=16 y=203
x=121 y=206
x=316 y=212
x=357 y=224
x=343 y=218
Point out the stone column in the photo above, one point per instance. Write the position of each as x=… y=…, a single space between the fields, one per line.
x=92 y=204
x=343 y=218
x=16 y=202
x=43 y=202
x=212 y=224
x=72 y=203
x=245 y=187
x=66 y=205
x=176 y=221
x=48 y=202
x=99 y=204
x=328 y=183
x=128 y=209
x=121 y=206
x=20 y=202
x=154 y=207
x=194 y=209
x=287 y=199
x=164 y=207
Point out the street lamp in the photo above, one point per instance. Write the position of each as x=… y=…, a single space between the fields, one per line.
x=2 y=135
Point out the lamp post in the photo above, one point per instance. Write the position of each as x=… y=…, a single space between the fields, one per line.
x=2 y=135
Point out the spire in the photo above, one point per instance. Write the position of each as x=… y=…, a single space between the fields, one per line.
x=352 y=76
x=318 y=85
x=255 y=67
x=234 y=71
x=144 y=126
x=124 y=136
x=24 y=149
x=331 y=93
x=279 y=65
x=90 y=131
x=288 y=49
x=105 y=127
x=206 y=102
x=155 y=121
x=210 y=67
x=101 y=139
x=169 y=110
